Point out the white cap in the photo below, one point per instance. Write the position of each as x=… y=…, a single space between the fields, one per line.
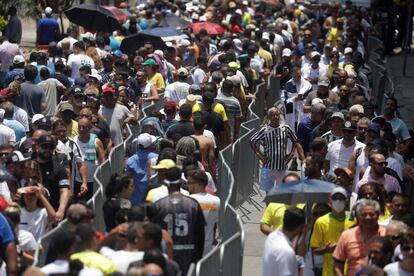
x=18 y=59
x=348 y=50
x=184 y=42
x=89 y=36
x=194 y=16
x=245 y=3
x=146 y=140
x=316 y=101
x=265 y=35
x=286 y=52
x=339 y=190
x=159 y=53
x=238 y=44
x=315 y=53
x=37 y=117
x=202 y=18
x=239 y=11
x=96 y=76
x=48 y=11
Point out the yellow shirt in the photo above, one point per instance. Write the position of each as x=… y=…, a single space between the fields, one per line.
x=157 y=80
x=331 y=69
x=327 y=230
x=93 y=259
x=217 y=107
x=266 y=56
x=72 y=129
x=333 y=35
x=274 y=213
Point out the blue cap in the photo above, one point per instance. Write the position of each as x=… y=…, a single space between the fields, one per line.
x=118 y=53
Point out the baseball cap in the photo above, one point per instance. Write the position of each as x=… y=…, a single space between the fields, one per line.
x=190 y=99
x=170 y=105
x=323 y=82
x=15 y=157
x=317 y=101
x=309 y=45
x=88 y=36
x=65 y=106
x=76 y=90
x=44 y=122
x=235 y=80
x=95 y=75
x=164 y=164
x=286 y=52
x=37 y=117
x=234 y=65
x=118 y=53
x=150 y=62
x=339 y=190
x=184 y=42
x=46 y=140
x=48 y=11
x=373 y=127
x=238 y=44
x=338 y=115
x=232 y=5
x=339 y=20
x=348 y=50
x=146 y=140
x=315 y=54
x=108 y=90
x=18 y=59
x=356 y=109
x=182 y=72
x=349 y=125
x=346 y=171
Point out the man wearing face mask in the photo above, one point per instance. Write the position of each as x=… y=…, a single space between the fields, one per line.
x=328 y=229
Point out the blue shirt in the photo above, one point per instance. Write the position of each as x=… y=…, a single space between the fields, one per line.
x=137 y=165
x=399 y=128
x=13 y=73
x=17 y=127
x=304 y=132
x=114 y=43
x=6 y=233
x=14 y=30
x=48 y=28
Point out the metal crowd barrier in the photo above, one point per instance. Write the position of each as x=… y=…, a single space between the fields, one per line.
x=382 y=85
x=236 y=178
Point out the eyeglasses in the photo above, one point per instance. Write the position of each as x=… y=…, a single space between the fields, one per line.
x=382 y=164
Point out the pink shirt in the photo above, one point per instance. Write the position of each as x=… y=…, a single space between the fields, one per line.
x=389 y=182
x=351 y=247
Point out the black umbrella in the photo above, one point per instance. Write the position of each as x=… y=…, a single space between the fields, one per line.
x=94 y=17
x=133 y=42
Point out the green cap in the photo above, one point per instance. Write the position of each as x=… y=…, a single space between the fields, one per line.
x=150 y=61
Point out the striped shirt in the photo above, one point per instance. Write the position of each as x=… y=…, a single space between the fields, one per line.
x=330 y=137
x=274 y=141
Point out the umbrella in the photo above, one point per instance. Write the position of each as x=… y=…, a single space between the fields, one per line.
x=301 y=191
x=157 y=36
x=118 y=13
x=211 y=28
x=93 y=16
x=171 y=20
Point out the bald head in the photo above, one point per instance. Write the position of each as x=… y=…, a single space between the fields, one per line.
x=76 y=212
x=153 y=269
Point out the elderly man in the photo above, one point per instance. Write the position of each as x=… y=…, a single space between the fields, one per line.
x=353 y=245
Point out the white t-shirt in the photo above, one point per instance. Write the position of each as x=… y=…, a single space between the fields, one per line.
x=198 y=76
x=7 y=135
x=339 y=155
x=211 y=207
x=77 y=61
x=162 y=192
x=121 y=258
x=177 y=91
x=279 y=258
x=26 y=241
x=394 y=269
x=62 y=267
x=35 y=222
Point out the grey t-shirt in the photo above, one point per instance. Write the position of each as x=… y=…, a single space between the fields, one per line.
x=115 y=118
x=50 y=87
x=31 y=98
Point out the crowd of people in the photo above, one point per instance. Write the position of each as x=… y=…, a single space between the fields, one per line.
x=63 y=109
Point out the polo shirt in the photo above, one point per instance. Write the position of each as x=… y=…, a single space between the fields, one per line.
x=279 y=256
x=274 y=213
x=352 y=248
x=339 y=155
x=389 y=183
